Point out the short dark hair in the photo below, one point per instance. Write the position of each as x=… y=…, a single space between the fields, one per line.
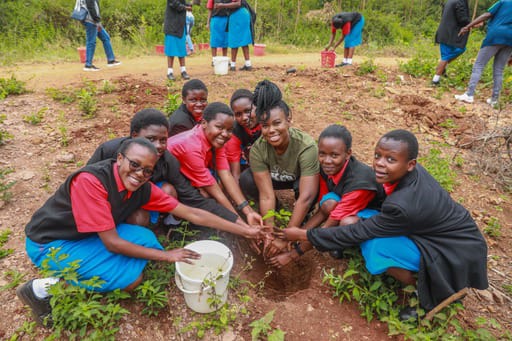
x=146 y=118
x=215 y=108
x=406 y=137
x=267 y=96
x=337 y=21
x=141 y=141
x=193 y=84
x=337 y=131
x=240 y=93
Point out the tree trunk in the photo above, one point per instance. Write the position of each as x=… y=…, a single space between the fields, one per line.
x=299 y=2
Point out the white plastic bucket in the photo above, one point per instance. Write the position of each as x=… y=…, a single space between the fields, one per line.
x=220 y=65
x=207 y=277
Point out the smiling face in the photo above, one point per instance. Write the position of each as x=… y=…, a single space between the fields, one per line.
x=133 y=177
x=157 y=135
x=245 y=113
x=195 y=101
x=332 y=154
x=391 y=161
x=219 y=130
x=275 y=129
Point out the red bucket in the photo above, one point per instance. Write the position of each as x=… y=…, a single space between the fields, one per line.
x=328 y=58
x=204 y=46
x=81 y=54
x=159 y=49
x=259 y=49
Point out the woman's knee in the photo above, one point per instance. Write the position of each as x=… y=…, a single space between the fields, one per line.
x=135 y=284
x=140 y=217
x=169 y=189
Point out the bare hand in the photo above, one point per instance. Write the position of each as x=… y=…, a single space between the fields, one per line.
x=291 y=234
x=181 y=255
x=253 y=218
x=283 y=259
x=274 y=248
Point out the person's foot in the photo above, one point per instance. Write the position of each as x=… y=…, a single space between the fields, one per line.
x=464 y=98
x=342 y=64
x=408 y=313
x=91 y=68
x=185 y=75
x=434 y=83
x=114 y=62
x=246 y=68
x=232 y=68
x=170 y=77
x=492 y=102
x=41 y=309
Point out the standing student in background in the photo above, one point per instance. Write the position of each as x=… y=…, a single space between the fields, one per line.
x=175 y=36
x=217 y=23
x=451 y=44
x=190 y=23
x=240 y=30
x=94 y=29
x=351 y=25
x=497 y=44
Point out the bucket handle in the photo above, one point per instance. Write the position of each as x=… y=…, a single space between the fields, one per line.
x=181 y=287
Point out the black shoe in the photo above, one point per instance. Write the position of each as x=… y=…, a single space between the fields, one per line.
x=246 y=68
x=436 y=83
x=232 y=68
x=170 y=77
x=113 y=63
x=185 y=75
x=342 y=64
x=336 y=254
x=91 y=68
x=41 y=309
x=408 y=313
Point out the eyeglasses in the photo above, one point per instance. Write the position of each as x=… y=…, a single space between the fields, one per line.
x=135 y=167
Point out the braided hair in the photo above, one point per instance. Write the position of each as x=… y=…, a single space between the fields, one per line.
x=267 y=96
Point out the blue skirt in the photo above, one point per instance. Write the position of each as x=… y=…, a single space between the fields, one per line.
x=381 y=254
x=355 y=37
x=118 y=271
x=239 y=28
x=218 y=34
x=176 y=47
x=449 y=52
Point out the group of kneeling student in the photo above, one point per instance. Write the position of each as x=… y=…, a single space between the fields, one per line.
x=207 y=162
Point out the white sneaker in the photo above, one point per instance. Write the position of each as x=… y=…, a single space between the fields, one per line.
x=492 y=102
x=464 y=98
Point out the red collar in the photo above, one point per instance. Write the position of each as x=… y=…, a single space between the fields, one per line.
x=337 y=177
x=119 y=182
x=389 y=188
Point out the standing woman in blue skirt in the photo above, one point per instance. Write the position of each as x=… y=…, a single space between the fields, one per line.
x=240 y=30
x=175 y=36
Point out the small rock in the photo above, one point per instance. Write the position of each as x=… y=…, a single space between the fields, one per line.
x=309 y=308
x=291 y=70
x=66 y=158
x=26 y=175
x=485 y=295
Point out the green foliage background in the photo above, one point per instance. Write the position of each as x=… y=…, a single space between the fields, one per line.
x=43 y=30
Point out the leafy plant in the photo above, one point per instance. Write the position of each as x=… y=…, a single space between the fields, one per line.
x=366 y=67
x=4 y=134
x=11 y=86
x=87 y=103
x=493 y=227
x=35 y=118
x=107 y=87
x=281 y=217
x=153 y=296
x=439 y=168
x=61 y=95
x=14 y=276
x=76 y=311
x=262 y=328
x=173 y=103
x=5 y=195
x=4 y=237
